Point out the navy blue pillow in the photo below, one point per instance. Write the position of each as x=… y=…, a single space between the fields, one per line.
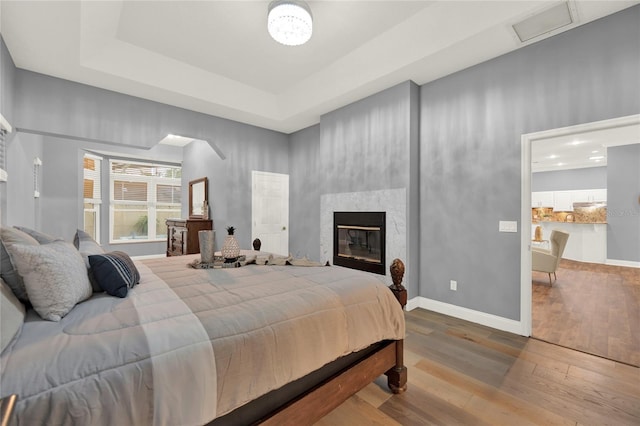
x=114 y=272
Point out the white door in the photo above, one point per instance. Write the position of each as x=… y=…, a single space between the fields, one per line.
x=270 y=211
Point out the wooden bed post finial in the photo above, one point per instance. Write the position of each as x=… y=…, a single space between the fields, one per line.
x=397 y=273
x=397 y=376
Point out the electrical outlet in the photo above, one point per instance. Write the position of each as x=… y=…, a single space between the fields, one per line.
x=454 y=285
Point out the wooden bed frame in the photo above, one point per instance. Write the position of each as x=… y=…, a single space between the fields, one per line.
x=388 y=359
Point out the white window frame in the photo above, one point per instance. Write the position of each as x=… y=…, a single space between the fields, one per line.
x=97 y=202
x=150 y=206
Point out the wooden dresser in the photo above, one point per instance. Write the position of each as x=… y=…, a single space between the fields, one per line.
x=182 y=235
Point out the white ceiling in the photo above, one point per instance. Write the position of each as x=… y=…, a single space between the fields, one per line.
x=216 y=57
x=580 y=150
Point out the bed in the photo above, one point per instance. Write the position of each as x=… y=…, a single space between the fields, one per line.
x=256 y=344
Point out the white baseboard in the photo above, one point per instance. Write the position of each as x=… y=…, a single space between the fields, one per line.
x=148 y=256
x=413 y=303
x=466 y=314
x=629 y=263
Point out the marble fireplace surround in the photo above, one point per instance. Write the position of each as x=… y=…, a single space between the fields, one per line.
x=391 y=201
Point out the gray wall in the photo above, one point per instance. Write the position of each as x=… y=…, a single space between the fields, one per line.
x=59 y=107
x=22 y=208
x=364 y=146
x=567 y=180
x=623 y=203
x=7 y=83
x=305 y=187
x=470 y=172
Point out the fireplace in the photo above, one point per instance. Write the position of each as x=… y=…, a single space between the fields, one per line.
x=359 y=240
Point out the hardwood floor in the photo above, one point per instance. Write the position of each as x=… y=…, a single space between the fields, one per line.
x=592 y=308
x=467 y=374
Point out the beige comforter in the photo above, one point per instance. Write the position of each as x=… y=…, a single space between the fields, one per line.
x=188 y=345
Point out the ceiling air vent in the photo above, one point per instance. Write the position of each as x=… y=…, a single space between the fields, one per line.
x=544 y=22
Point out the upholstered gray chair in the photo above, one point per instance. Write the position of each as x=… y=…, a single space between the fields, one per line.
x=544 y=260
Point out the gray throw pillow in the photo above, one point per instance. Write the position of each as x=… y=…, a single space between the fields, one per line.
x=87 y=246
x=55 y=277
x=40 y=237
x=8 y=238
x=11 y=315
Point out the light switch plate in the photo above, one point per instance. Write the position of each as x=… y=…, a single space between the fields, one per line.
x=508 y=226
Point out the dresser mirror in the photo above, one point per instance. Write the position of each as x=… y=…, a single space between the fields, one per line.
x=198 y=198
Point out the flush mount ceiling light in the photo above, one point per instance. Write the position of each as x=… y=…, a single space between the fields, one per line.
x=289 y=22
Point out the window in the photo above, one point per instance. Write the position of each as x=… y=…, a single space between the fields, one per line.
x=143 y=196
x=92 y=167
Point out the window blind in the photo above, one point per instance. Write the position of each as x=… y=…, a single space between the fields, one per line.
x=92 y=178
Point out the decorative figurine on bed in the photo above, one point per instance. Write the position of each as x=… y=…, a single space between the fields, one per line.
x=231 y=248
x=257 y=244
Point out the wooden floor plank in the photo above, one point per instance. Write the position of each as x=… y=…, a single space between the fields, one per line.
x=428 y=409
x=376 y=393
x=441 y=387
x=502 y=401
x=356 y=412
x=564 y=400
x=599 y=393
x=630 y=388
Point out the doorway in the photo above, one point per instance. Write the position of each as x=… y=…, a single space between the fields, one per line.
x=270 y=211
x=584 y=273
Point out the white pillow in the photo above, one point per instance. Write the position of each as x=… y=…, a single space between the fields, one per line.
x=55 y=277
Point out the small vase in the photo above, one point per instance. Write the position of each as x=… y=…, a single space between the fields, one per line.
x=207 y=248
x=538 y=233
x=205 y=210
x=230 y=248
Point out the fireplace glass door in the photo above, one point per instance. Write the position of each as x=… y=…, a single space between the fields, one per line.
x=359 y=240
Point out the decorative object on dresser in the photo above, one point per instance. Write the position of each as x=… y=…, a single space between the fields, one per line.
x=199 y=198
x=205 y=209
x=231 y=247
x=207 y=245
x=182 y=235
